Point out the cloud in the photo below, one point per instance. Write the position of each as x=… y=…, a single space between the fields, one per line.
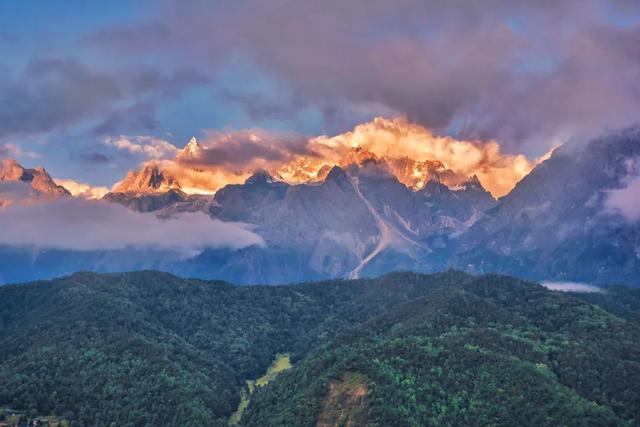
x=52 y=93
x=230 y=157
x=249 y=148
x=81 y=189
x=84 y=225
x=55 y=93
x=16 y=192
x=145 y=146
x=535 y=77
x=571 y=287
x=626 y=201
x=397 y=138
x=140 y=115
x=10 y=150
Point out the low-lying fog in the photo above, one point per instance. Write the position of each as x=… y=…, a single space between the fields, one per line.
x=571 y=287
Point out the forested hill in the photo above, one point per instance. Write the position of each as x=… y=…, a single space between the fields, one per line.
x=149 y=348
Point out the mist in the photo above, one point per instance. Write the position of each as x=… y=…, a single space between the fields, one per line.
x=86 y=225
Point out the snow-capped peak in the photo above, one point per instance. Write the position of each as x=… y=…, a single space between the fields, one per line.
x=193 y=150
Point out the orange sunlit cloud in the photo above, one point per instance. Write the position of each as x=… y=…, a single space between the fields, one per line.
x=231 y=157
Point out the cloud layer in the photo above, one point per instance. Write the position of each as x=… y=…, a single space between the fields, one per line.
x=230 y=157
x=626 y=201
x=81 y=189
x=516 y=71
x=78 y=224
x=572 y=287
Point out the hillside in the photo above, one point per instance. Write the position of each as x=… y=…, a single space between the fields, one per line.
x=150 y=348
x=491 y=351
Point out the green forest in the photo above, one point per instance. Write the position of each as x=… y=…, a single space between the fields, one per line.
x=148 y=348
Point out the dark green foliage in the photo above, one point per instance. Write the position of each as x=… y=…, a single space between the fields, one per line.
x=151 y=349
x=491 y=351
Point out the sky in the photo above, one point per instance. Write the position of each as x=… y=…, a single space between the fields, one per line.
x=75 y=76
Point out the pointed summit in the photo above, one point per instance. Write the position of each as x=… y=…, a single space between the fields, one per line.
x=473 y=183
x=191 y=151
x=261 y=176
x=38 y=178
x=149 y=180
x=358 y=156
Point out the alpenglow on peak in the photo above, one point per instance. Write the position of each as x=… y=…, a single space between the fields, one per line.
x=193 y=150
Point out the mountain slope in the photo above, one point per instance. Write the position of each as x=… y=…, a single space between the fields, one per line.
x=150 y=348
x=357 y=222
x=488 y=352
x=556 y=223
x=29 y=184
x=149 y=179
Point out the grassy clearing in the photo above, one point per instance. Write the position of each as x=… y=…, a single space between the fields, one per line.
x=281 y=363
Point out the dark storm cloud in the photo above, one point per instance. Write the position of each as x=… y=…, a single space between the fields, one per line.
x=52 y=93
x=241 y=149
x=139 y=116
x=95 y=158
x=259 y=106
x=514 y=70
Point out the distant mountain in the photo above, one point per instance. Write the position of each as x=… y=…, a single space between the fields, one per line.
x=149 y=348
x=556 y=224
x=487 y=351
x=150 y=179
x=191 y=152
x=360 y=219
x=147 y=201
x=36 y=179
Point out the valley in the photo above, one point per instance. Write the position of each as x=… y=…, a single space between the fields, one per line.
x=281 y=363
x=332 y=213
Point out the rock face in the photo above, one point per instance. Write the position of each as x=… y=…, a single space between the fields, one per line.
x=37 y=180
x=146 y=202
x=355 y=222
x=556 y=222
x=362 y=220
x=191 y=152
x=416 y=174
x=148 y=180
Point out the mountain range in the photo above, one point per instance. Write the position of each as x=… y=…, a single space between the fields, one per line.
x=370 y=215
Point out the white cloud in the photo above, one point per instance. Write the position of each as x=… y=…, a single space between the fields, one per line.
x=626 y=201
x=78 y=224
x=571 y=287
x=81 y=189
x=146 y=146
x=15 y=192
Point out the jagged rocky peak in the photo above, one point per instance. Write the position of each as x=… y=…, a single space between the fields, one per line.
x=261 y=176
x=337 y=174
x=191 y=151
x=150 y=179
x=300 y=170
x=11 y=170
x=472 y=183
x=358 y=156
x=323 y=172
x=38 y=178
x=415 y=174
